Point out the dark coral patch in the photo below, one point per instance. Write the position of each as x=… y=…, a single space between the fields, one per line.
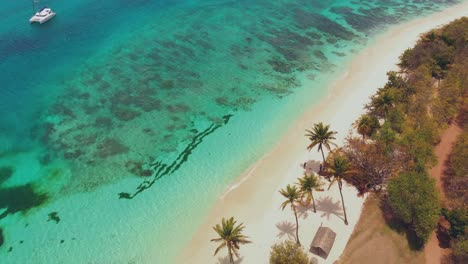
x=60 y=109
x=169 y=84
x=222 y=101
x=83 y=96
x=72 y=154
x=341 y=54
x=20 y=198
x=110 y=147
x=148 y=131
x=125 y=114
x=306 y=20
x=45 y=159
x=48 y=130
x=90 y=109
x=85 y=140
x=2 y=239
x=280 y=66
x=320 y=55
x=147 y=104
x=5 y=173
x=178 y=108
x=136 y=168
x=53 y=216
x=104 y=122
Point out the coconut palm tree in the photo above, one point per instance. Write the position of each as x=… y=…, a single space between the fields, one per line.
x=320 y=136
x=366 y=125
x=340 y=168
x=293 y=197
x=382 y=103
x=230 y=236
x=307 y=185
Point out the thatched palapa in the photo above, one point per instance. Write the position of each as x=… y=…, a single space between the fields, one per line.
x=323 y=242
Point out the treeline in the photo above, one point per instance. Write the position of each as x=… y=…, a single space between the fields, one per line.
x=401 y=127
x=398 y=133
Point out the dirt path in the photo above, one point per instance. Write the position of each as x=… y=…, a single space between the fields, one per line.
x=432 y=250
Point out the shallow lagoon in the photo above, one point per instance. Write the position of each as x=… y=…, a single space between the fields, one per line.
x=121 y=125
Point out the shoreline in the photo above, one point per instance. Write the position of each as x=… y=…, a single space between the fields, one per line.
x=255 y=201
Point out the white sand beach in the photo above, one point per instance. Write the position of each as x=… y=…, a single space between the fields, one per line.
x=254 y=199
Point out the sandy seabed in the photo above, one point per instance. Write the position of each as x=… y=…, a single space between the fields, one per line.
x=254 y=199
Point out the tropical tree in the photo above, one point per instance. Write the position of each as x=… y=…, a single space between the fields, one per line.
x=293 y=197
x=321 y=136
x=381 y=103
x=339 y=169
x=288 y=252
x=366 y=125
x=307 y=185
x=373 y=162
x=413 y=197
x=230 y=236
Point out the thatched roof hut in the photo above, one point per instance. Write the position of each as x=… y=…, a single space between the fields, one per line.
x=323 y=242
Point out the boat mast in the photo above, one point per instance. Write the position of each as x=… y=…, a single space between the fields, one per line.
x=34 y=5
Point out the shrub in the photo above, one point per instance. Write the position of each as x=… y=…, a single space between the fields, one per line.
x=288 y=252
x=460 y=250
x=413 y=197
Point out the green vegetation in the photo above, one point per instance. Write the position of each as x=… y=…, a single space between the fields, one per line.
x=367 y=125
x=307 y=185
x=411 y=110
x=458 y=219
x=230 y=236
x=459 y=157
x=321 y=136
x=460 y=251
x=395 y=148
x=293 y=197
x=288 y=252
x=412 y=197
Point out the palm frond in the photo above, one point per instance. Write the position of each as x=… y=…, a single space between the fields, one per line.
x=223 y=245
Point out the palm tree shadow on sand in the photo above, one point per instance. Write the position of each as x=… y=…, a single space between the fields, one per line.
x=304 y=210
x=328 y=208
x=312 y=166
x=286 y=228
x=225 y=260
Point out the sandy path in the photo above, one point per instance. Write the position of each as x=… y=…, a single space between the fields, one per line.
x=254 y=198
x=432 y=250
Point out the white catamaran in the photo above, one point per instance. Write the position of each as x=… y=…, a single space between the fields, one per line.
x=41 y=16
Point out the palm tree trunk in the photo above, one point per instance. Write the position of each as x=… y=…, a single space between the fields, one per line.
x=297 y=226
x=323 y=157
x=313 y=201
x=231 y=258
x=342 y=202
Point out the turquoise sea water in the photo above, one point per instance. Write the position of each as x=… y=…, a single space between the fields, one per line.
x=122 y=121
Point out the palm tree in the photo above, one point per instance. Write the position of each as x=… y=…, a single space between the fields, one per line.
x=366 y=125
x=307 y=185
x=340 y=168
x=382 y=103
x=292 y=196
x=231 y=237
x=320 y=136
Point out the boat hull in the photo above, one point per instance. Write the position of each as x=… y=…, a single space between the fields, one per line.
x=42 y=16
